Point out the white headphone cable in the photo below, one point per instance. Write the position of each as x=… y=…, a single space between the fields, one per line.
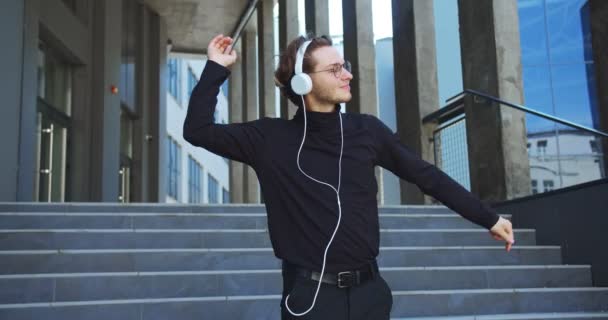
x=339 y=205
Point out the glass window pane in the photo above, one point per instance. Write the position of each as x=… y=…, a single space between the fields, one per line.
x=571 y=92
x=537 y=95
x=565 y=20
x=54 y=80
x=532 y=32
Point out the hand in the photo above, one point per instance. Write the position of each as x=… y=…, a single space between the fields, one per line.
x=503 y=230
x=216 y=48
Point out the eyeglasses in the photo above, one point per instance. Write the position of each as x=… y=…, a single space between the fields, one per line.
x=337 y=68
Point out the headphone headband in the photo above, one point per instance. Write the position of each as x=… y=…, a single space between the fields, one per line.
x=300 y=56
x=301 y=83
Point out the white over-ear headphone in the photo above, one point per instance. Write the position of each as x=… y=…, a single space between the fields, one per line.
x=301 y=84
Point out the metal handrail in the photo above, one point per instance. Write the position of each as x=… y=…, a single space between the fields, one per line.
x=243 y=20
x=441 y=113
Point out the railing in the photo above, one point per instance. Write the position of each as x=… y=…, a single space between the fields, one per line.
x=567 y=154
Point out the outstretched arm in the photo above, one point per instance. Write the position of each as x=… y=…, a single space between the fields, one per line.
x=237 y=141
x=399 y=159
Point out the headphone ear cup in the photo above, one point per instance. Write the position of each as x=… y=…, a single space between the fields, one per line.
x=301 y=84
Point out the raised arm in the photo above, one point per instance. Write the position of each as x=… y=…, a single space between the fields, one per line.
x=237 y=141
x=393 y=155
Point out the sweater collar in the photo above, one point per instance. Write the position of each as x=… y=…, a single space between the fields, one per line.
x=319 y=121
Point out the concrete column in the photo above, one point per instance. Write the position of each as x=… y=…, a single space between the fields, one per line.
x=266 y=59
x=81 y=147
x=106 y=131
x=235 y=101
x=26 y=189
x=491 y=63
x=82 y=117
x=157 y=110
x=288 y=31
x=140 y=125
x=317 y=17
x=359 y=50
x=12 y=31
x=250 y=107
x=416 y=89
x=599 y=34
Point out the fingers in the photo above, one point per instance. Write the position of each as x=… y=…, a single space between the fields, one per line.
x=226 y=45
x=216 y=40
x=220 y=42
x=509 y=232
x=504 y=232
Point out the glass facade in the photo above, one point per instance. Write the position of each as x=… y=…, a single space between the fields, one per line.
x=225 y=196
x=174 y=168
x=212 y=189
x=557 y=65
x=225 y=89
x=192 y=80
x=194 y=181
x=173 y=79
x=127 y=89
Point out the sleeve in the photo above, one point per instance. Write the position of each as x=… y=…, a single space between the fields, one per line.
x=393 y=155
x=236 y=141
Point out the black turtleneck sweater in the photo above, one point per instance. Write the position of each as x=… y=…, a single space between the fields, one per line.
x=302 y=214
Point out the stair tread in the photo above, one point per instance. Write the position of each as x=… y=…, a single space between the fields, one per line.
x=82 y=251
x=244 y=230
x=278 y=296
x=513 y=316
x=257 y=271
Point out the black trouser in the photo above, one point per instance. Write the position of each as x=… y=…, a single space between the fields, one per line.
x=370 y=300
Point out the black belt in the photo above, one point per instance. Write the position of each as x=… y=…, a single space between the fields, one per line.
x=343 y=279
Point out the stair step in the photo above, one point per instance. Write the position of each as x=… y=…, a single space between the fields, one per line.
x=405 y=304
x=185 y=208
x=27 y=288
x=111 y=260
x=113 y=220
x=492 y=301
x=28 y=239
x=521 y=316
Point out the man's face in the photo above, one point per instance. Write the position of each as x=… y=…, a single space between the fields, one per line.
x=328 y=87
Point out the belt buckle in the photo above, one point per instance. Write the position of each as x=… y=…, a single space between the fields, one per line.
x=349 y=278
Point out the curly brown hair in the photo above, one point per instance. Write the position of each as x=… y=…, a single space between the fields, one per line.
x=286 y=68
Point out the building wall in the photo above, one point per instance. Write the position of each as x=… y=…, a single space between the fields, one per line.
x=386 y=111
x=578 y=162
x=557 y=61
x=99 y=52
x=557 y=73
x=211 y=163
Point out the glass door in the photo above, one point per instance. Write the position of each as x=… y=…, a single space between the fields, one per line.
x=51 y=152
x=126 y=156
x=53 y=120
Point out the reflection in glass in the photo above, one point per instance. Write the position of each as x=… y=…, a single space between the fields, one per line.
x=127 y=89
x=571 y=96
x=532 y=32
x=558 y=80
x=54 y=80
x=578 y=156
x=565 y=21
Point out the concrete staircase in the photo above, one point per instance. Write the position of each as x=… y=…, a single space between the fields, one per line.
x=108 y=261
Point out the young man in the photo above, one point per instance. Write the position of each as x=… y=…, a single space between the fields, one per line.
x=316 y=172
